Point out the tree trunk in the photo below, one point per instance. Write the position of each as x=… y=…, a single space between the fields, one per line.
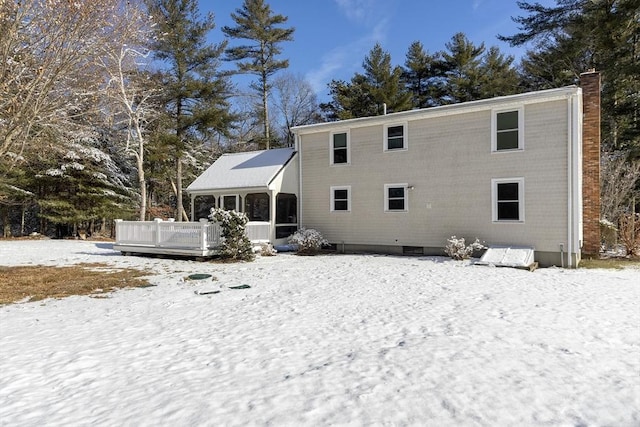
x=266 y=111
x=6 y=229
x=179 y=207
x=143 y=191
x=24 y=209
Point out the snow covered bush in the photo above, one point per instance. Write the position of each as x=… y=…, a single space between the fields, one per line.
x=457 y=248
x=235 y=243
x=309 y=241
x=608 y=234
x=265 y=249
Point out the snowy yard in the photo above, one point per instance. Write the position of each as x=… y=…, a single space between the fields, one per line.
x=335 y=339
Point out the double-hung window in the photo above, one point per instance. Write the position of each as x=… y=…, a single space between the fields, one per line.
x=507 y=130
x=507 y=196
x=395 y=137
x=396 y=198
x=341 y=198
x=339 y=148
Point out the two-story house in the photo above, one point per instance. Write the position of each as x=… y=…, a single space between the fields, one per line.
x=519 y=170
x=508 y=170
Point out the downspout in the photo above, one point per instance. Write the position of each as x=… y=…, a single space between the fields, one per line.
x=574 y=171
x=578 y=170
x=569 y=179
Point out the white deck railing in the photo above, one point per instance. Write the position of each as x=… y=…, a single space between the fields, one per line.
x=187 y=235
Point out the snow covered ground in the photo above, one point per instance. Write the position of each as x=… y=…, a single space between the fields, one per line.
x=336 y=339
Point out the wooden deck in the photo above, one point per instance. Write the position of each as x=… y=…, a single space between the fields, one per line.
x=200 y=239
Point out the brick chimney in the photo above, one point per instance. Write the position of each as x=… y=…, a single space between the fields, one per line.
x=590 y=83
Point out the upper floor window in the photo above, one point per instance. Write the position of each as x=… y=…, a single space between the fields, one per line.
x=395 y=197
x=508 y=199
x=395 y=137
x=341 y=198
x=507 y=131
x=339 y=148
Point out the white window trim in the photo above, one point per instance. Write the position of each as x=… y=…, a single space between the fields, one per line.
x=405 y=137
x=331 y=149
x=494 y=200
x=332 y=196
x=406 y=197
x=494 y=129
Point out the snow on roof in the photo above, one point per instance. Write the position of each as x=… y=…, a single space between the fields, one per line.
x=242 y=170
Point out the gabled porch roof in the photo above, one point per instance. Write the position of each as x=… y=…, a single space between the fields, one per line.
x=255 y=169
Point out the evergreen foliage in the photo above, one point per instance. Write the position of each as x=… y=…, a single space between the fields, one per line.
x=420 y=75
x=463 y=72
x=576 y=35
x=196 y=94
x=462 y=61
x=256 y=23
x=62 y=143
x=367 y=94
x=235 y=243
x=79 y=181
x=384 y=82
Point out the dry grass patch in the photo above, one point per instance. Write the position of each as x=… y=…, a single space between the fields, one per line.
x=611 y=263
x=33 y=283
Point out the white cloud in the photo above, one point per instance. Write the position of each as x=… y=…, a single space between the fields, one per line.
x=360 y=11
x=344 y=60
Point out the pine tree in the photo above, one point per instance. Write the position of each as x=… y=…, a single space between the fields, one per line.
x=497 y=75
x=77 y=178
x=256 y=23
x=421 y=72
x=576 y=35
x=367 y=94
x=385 y=82
x=349 y=100
x=196 y=94
x=462 y=60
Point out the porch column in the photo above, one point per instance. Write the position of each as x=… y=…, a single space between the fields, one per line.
x=273 y=195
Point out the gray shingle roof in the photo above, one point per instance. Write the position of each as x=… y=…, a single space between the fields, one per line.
x=242 y=170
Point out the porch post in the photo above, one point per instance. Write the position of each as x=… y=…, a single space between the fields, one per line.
x=118 y=223
x=272 y=216
x=156 y=237
x=203 y=234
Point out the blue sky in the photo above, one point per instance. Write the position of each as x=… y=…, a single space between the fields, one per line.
x=332 y=37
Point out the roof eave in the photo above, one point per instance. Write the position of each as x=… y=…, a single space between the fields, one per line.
x=444 y=110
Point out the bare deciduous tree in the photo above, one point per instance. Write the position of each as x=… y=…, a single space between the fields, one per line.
x=47 y=63
x=619 y=180
x=296 y=104
x=129 y=90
